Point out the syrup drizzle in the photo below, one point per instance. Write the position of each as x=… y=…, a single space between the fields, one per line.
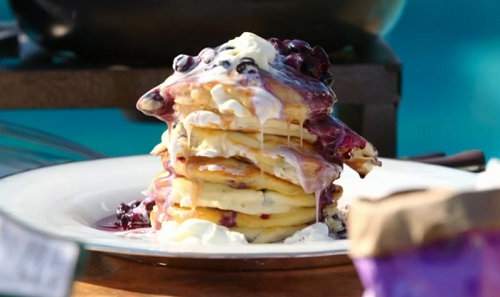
x=261 y=151
x=189 y=129
x=301 y=133
x=317 y=196
x=288 y=124
x=161 y=191
x=223 y=141
x=169 y=129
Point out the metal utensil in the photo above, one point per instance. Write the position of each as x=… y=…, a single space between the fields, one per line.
x=29 y=153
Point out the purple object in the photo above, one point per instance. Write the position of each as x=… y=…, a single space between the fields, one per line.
x=466 y=266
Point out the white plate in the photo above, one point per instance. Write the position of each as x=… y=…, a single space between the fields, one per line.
x=67 y=200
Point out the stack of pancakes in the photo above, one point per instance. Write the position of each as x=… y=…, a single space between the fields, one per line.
x=224 y=177
x=237 y=153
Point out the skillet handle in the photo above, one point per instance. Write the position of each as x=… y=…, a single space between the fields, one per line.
x=472 y=160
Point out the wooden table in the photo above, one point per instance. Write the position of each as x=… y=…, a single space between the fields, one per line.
x=108 y=275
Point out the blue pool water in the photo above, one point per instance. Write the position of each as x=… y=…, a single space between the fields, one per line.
x=451 y=87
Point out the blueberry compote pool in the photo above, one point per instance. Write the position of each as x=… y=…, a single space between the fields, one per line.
x=132 y=215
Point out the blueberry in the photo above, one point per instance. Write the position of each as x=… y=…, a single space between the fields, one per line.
x=206 y=55
x=247 y=60
x=327 y=78
x=224 y=63
x=154 y=95
x=299 y=46
x=134 y=204
x=183 y=63
x=314 y=66
x=228 y=219
x=150 y=205
x=294 y=61
x=136 y=218
x=122 y=210
x=280 y=46
x=124 y=223
x=247 y=66
x=237 y=185
x=320 y=54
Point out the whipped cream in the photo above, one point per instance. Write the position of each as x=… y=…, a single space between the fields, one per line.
x=226 y=104
x=314 y=233
x=253 y=46
x=490 y=178
x=196 y=231
x=211 y=167
x=214 y=167
x=248 y=45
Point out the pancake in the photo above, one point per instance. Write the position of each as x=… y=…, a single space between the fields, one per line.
x=279 y=156
x=250 y=124
x=257 y=229
x=232 y=105
x=189 y=194
x=232 y=172
x=277 y=234
x=296 y=216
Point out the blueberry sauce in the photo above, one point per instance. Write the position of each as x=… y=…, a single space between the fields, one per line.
x=110 y=223
x=132 y=215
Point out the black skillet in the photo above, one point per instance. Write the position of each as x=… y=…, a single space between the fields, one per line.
x=154 y=31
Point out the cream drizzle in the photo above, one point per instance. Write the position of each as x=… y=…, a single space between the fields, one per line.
x=317 y=196
x=301 y=132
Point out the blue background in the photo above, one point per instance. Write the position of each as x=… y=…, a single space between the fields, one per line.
x=451 y=87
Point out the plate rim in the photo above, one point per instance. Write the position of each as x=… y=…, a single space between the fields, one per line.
x=113 y=249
